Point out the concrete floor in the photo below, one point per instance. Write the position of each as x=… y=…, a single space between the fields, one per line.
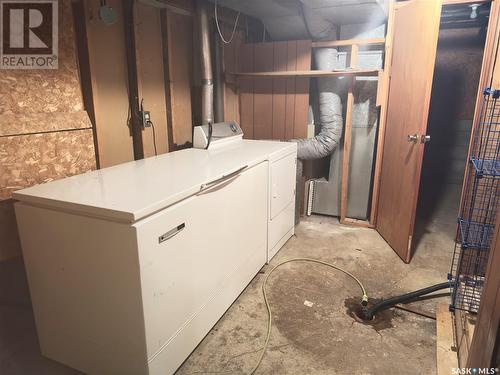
x=317 y=338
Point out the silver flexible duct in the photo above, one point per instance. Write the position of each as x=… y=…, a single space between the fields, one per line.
x=207 y=85
x=330 y=105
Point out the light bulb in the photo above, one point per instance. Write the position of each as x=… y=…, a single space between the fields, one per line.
x=473 y=13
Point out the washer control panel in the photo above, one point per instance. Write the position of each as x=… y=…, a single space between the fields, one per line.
x=222 y=132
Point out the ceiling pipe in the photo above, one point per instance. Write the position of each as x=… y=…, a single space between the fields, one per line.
x=207 y=85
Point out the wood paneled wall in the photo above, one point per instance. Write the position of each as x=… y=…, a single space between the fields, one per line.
x=274 y=108
x=150 y=73
x=106 y=49
x=45 y=132
x=179 y=34
x=164 y=68
x=231 y=58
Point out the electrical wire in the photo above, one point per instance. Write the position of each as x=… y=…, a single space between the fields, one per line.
x=364 y=299
x=154 y=135
x=150 y=123
x=218 y=26
x=209 y=136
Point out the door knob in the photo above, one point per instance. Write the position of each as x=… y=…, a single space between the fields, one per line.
x=412 y=138
x=425 y=138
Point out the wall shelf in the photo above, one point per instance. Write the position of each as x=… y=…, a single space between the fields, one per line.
x=311 y=73
x=348 y=42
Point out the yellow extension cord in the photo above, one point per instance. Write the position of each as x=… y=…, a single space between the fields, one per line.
x=269 y=313
x=364 y=299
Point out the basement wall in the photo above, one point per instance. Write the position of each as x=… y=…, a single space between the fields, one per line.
x=164 y=66
x=108 y=69
x=45 y=132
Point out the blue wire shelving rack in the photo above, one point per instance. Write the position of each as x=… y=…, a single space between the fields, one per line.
x=477 y=218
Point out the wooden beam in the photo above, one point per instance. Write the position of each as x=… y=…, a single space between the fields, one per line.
x=464 y=324
x=446 y=357
x=457 y=2
x=356 y=223
x=354 y=57
x=110 y=89
x=347 y=151
x=380 y=88
x=184 y=7
x=166 y=76
x=86 y=77
x=133 y=84
x=348 y=42
x=347 y=147
x=151 y=79
x=181 y=77
x=307 y=73
x=382 y=99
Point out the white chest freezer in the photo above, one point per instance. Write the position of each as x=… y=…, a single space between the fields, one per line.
x=129 y=267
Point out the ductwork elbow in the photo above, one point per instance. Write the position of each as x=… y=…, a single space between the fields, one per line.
x=328 y=138
x=330 y=104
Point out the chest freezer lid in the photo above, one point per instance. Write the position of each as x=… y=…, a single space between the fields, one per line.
x=131 y=191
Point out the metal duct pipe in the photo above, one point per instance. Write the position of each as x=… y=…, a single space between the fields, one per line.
x=330 y=104
x=330 y=111
x=218 y=81
x=207 y=85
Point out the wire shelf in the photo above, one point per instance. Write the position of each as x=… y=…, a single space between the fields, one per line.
x=467 y=293
x=486 y=167
x=478 y=211
x=475 y=235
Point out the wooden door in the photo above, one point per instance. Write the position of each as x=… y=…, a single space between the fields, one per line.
x=415 y=35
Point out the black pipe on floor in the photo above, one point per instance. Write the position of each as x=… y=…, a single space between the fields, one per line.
x=369 y=313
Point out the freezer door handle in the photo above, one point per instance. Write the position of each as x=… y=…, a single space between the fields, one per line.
x=171 y=233
x=222 y=179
